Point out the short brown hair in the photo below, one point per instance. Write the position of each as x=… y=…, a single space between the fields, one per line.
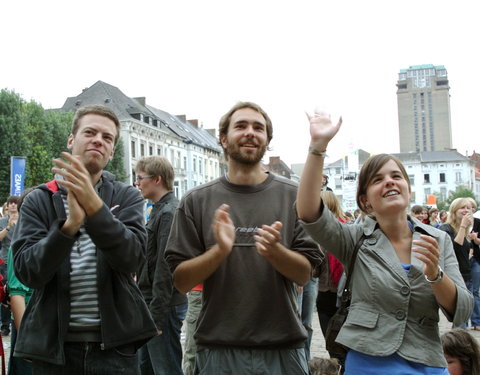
x=158 y=166
x=100 y=110
x=13 y=199
x=370 y=169
x=460 y=344
x=225 y=120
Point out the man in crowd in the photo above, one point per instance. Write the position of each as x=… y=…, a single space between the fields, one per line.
x=78 y=241
x=7 y=223
x=240 y=235
x=163 y=354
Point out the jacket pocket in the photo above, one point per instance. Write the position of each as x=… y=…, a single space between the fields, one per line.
x=362 y=318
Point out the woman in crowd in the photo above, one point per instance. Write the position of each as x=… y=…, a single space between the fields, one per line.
x=417 y=212
x=474 y=284
x=404 y=271
x=443 y=215
x=332 y=270
x=434 y=221
x=462 y=352
x=458 y=227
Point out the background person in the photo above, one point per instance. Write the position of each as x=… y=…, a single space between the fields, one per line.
x=458 y=227
x=462 y=352
x=332 y=269
x=404 y=271
x=474 y=284
x=162 y=355
x=19 y=297
x=7 y=225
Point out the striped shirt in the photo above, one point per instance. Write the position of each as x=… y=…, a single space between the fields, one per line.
x=84 y=310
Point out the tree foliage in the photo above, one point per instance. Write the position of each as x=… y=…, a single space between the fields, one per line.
x=116 y=165
x=26 y=129
x=460 y=192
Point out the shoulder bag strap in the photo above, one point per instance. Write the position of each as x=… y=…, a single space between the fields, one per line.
x=346 y=289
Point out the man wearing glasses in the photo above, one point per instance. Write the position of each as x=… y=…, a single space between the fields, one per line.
x=163 y=354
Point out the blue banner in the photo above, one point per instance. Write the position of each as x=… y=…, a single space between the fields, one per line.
x=17 y=174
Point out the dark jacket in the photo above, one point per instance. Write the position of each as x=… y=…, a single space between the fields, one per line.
x=42 y=262
x=154 y=277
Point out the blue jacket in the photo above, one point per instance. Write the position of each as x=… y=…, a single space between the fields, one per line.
x=42 y=262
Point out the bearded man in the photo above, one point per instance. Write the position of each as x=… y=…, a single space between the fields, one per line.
x=240 y=236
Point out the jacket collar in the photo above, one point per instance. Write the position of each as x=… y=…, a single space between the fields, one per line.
x=370 y=225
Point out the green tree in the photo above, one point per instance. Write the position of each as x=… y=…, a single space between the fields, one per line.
x=26 y=129
x=48 y=131
x=460 y=192
x=116 y=165
x=13 y=136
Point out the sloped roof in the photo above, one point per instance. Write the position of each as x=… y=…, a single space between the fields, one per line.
x=124 y=107
x=186 y=130
x=109 y=96
x=431 y=156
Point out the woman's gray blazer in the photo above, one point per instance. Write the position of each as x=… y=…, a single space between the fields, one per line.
x=391 y=311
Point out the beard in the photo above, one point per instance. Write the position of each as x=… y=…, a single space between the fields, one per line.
x=234 y=152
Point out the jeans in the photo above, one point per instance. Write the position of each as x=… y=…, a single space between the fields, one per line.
x=473 y=285
x=17 y=366
x=87 y=358
x=306 y=305
x=194 y=307
x=162 y=355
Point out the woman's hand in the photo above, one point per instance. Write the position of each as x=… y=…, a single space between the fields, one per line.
x=428 y=252
x=322 y=130
x=467 y=221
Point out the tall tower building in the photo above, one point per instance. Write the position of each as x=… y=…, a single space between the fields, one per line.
x=424 y=108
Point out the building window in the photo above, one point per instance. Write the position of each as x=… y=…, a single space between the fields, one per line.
x=159 y=151
x=458 y=176
x=195 y=164
x=142 y=149
x=338 y=184
x=442 y=177
x=133 y=147
x=338 y=170
x=443 y=193
x=426 y=178
x=150 y=150
x=411 y=177
x=428 y=191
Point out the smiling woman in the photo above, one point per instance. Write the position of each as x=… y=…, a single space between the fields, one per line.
x=404 y=271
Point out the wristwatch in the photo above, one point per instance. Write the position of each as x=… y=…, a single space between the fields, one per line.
x=439 y=277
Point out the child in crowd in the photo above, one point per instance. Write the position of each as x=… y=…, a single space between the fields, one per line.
x=324 y=366
x=462 y=352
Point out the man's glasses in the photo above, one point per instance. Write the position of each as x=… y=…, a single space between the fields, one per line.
x=140 y=178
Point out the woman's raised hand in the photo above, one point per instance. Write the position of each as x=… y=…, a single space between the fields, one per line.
x=321 y=128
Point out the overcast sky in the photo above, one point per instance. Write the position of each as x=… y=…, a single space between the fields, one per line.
x=199 y=58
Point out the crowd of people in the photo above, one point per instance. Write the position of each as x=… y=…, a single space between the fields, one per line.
x=97 y=285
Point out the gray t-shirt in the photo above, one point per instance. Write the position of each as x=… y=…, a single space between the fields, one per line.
x=246 y=302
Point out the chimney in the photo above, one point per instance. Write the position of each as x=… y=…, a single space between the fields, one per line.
x=194 y=122
x=274 y=160
x=142 y=100
x=182 y=118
